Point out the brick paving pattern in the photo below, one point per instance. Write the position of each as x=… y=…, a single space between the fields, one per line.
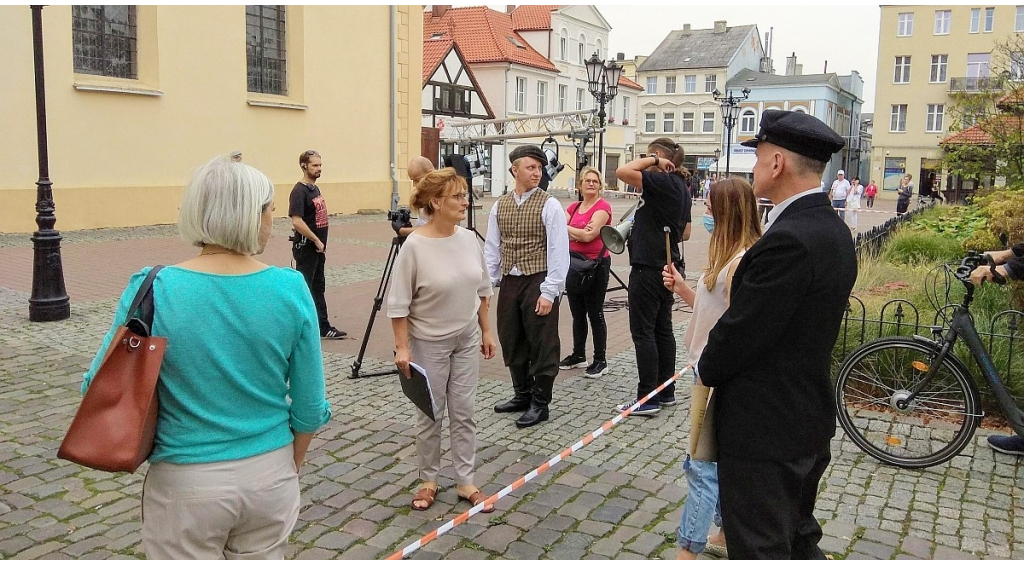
x=620 y=497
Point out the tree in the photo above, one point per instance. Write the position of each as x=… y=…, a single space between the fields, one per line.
x=988 y=118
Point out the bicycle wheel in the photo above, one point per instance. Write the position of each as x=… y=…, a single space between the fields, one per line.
x=933 y=429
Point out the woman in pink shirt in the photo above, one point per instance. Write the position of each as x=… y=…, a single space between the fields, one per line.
x=869 y=191
x=586 y=291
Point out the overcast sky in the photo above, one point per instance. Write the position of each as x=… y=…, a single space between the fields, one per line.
x=846 y=36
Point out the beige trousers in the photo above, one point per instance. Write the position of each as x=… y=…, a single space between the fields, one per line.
x=452 y=366
x=240 y=509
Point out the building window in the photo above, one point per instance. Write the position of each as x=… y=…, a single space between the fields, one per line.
x=542 y=97
x=625 y=110
x=1019 y=22
x=520 y=99
x=265 y=49
x=990 y=19
x=670 y=85
x=690 y=83
x=649 y=122
x=934 y=121
x=599 y=49
x=708 y=124
x=579 y=99
x=104 y=40
x=582 y=51
x=563 y=46
x=975 y=20
x=687 y=122
x=668 y=122
x=905 y=24
x=451 y=100
x=902 y=69
x=942 y=18
x=563 y=97
x=977 y=65
x=710 y=82
x=652 y=85
x=748 y=121
x=938 y=73
x=898 y=118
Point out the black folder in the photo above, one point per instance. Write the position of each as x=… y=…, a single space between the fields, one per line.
x=417 y=388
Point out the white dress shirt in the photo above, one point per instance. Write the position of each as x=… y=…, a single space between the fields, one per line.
x=557 y=246
x=781 y=206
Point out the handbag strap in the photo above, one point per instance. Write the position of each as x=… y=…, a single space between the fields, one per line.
x=144 y=299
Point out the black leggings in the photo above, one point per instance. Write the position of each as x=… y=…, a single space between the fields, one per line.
x=590 y=303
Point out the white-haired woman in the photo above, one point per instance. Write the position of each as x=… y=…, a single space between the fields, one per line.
x=241 y=387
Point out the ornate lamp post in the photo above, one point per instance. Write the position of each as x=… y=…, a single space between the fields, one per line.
x=718 y=155
x=49 y=301
x=603 y=83
x=730 y=113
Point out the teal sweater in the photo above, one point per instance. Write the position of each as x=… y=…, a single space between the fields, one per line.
x=243 y=367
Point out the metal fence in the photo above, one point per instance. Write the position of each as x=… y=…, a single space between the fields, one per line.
x=870 y=242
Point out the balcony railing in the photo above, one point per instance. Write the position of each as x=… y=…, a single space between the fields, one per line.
x=975 y=84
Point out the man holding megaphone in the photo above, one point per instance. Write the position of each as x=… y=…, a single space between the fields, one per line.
x=662 y=219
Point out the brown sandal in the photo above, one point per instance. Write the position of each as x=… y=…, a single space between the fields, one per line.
x=424 y=494
x=475 y=498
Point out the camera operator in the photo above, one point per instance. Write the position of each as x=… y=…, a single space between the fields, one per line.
x=308 y=211
x=417 y=169
x=664 y=202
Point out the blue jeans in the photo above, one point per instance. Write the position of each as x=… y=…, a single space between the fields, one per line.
x=840 y=204
x=702 y=504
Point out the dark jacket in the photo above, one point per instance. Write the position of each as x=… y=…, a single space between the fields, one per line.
x=769 y=355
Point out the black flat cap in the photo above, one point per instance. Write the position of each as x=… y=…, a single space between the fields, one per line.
x=799 y=132
x=528 y=151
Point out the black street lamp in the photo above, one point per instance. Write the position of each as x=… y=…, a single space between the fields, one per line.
x=730 y=113
x=718 y=155
x=49 y=301
x=603 y=83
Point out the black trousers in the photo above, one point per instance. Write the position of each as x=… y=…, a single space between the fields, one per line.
x=311 y=264
x=902 y=204
x=650 y=324
x=590 y=304
x=768 y=506
x=529 y=342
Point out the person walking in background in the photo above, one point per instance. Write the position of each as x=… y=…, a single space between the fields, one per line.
x=438 y=305
x=840 y=189
x=734 y=226
x=664 y=203
x=586 y=292
x=870 y=191
x=527 y=252
x=853 y=203
x=769 y=354
x=903 y=193
x=308 y=211
x=238 y=406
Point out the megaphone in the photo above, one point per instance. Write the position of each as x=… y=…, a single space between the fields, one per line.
x=614 y=238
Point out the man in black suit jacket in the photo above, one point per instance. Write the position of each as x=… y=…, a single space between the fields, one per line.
x=769 y=355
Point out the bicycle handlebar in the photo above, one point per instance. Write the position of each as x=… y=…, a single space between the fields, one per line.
x=972 y=261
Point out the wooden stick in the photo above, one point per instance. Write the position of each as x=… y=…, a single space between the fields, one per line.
x=668 y=247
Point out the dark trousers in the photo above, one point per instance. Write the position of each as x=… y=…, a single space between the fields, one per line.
x=590 y=304
x=311 y=264
x=871 y=201
x=768 y=506
x=650 y=324
x=902 y=204
x=529 y=342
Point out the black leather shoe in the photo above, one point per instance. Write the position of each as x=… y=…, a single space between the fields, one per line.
x=513 y=405
x=534 y=415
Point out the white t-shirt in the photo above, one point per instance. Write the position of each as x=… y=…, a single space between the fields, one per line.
x=840 y=188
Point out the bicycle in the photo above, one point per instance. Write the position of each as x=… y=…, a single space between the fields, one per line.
x=908 y=401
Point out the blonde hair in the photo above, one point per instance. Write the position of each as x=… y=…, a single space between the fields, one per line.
x=223 y=204
x=587 y=170
x=436 y=184
x=737 y=226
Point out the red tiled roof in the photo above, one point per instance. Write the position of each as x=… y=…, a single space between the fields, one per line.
x=627 y=83
x=973 y=135
x=1004 y=126
x=483 y=36
x=532 y=18
x=1014 y=98
x=434 y=51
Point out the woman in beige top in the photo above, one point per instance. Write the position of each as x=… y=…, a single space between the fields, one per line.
x=438 y=303
x=734 y=227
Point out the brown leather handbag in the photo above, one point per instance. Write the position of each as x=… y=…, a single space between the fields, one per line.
x=115 y=425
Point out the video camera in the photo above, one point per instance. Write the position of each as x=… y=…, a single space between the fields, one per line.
x=400 y=218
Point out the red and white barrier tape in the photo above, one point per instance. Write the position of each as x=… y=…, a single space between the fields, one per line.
x=533 y=473
x=867 y=210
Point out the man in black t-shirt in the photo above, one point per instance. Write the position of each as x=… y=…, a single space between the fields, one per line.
x=308 y=211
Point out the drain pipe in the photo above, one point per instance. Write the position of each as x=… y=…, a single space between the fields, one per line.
x=391 y=53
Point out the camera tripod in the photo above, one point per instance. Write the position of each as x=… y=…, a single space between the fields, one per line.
x=378 y=300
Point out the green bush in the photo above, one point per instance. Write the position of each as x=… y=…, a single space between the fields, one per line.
x=910 y=247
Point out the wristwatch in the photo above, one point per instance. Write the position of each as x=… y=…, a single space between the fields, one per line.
x=655 y=160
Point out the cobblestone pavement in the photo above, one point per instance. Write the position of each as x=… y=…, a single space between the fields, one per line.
x=619 y=497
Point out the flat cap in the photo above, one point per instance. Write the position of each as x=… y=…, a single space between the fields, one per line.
x=528 y=151
x=799 y=132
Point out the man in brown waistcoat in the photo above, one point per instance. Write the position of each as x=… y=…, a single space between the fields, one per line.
x=527 y=251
